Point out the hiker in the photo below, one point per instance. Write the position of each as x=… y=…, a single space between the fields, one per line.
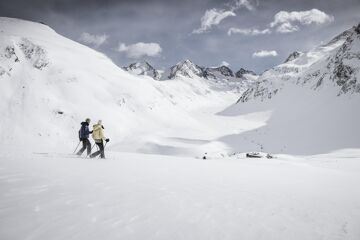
x=84 y=133
x=99 y=138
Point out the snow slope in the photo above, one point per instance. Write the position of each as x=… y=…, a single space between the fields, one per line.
x=312 y=102
x=50 y=84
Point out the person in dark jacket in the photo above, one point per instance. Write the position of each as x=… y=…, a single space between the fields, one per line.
x=84 y=133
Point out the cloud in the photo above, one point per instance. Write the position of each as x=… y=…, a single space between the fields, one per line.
x=264 y=53
x=95 y=40
x=286 y=22
x=140 y=49
x=287 y=28
x=213 y=17
x=242 y=3
x=248 y=31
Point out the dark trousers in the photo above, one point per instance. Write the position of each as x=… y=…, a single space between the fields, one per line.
x=101 y=151
x=86 y=145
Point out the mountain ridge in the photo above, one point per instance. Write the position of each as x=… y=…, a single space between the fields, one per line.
x=332 y=65
x=188 y=69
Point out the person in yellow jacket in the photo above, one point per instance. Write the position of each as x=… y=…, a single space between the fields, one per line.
x=99 y=138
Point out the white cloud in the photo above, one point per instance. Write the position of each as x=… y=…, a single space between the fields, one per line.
x=211 y=18
x=140 y=49
x=286 y=22
x=287 y=28
x=95 y=40
x=242 y=3
x=248 y=31
x=264 y=53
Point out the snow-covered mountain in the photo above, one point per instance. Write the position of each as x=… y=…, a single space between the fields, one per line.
x=50 y=84
x=189 y=69
x=334 y=66
x=186 y=68
x=143 y=68
x=221 y=77
x=311 y=102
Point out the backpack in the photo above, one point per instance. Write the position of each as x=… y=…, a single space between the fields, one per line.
x=82 y=131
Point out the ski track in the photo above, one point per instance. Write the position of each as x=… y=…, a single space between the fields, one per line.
x=139 y=196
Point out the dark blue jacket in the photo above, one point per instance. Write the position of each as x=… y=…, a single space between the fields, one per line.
x=84 y=131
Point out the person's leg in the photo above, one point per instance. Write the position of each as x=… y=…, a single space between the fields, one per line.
x=83 y=147
x=101 y=146
x=88 y=147
x=97 y=152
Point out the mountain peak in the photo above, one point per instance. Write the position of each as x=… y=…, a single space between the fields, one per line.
x=357 y=28
x=142 y=68
x=242 y=72
x=186 y=68
x=223 y=70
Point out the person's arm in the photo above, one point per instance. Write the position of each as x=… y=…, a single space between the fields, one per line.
x=103 y=136
x=87 y=131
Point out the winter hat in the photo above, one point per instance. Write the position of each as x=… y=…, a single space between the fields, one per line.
x=87 y=120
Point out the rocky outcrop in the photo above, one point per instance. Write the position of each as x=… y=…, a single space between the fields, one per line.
x=143 y=68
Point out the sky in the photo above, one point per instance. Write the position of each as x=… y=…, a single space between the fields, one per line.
x=250 y=34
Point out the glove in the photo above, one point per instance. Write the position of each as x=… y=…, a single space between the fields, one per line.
x=107 y=140
x=91 y=132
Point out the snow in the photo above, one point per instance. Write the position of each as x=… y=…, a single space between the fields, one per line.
x=81 y=83
x=154 y=183
x=138 y=196
x=301 y=120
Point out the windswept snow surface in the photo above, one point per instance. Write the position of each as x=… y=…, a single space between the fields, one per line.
x=142 y=196
x=299 y=121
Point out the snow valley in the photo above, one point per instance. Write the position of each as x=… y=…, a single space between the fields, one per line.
x=154 y=184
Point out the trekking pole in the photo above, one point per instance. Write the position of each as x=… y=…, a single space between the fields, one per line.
x=77 y=147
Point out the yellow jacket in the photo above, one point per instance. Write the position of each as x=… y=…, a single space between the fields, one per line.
x=98 y=133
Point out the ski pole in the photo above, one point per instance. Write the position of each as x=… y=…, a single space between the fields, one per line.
x=77 y=147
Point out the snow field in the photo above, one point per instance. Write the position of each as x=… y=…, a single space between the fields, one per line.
x=138 y=196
